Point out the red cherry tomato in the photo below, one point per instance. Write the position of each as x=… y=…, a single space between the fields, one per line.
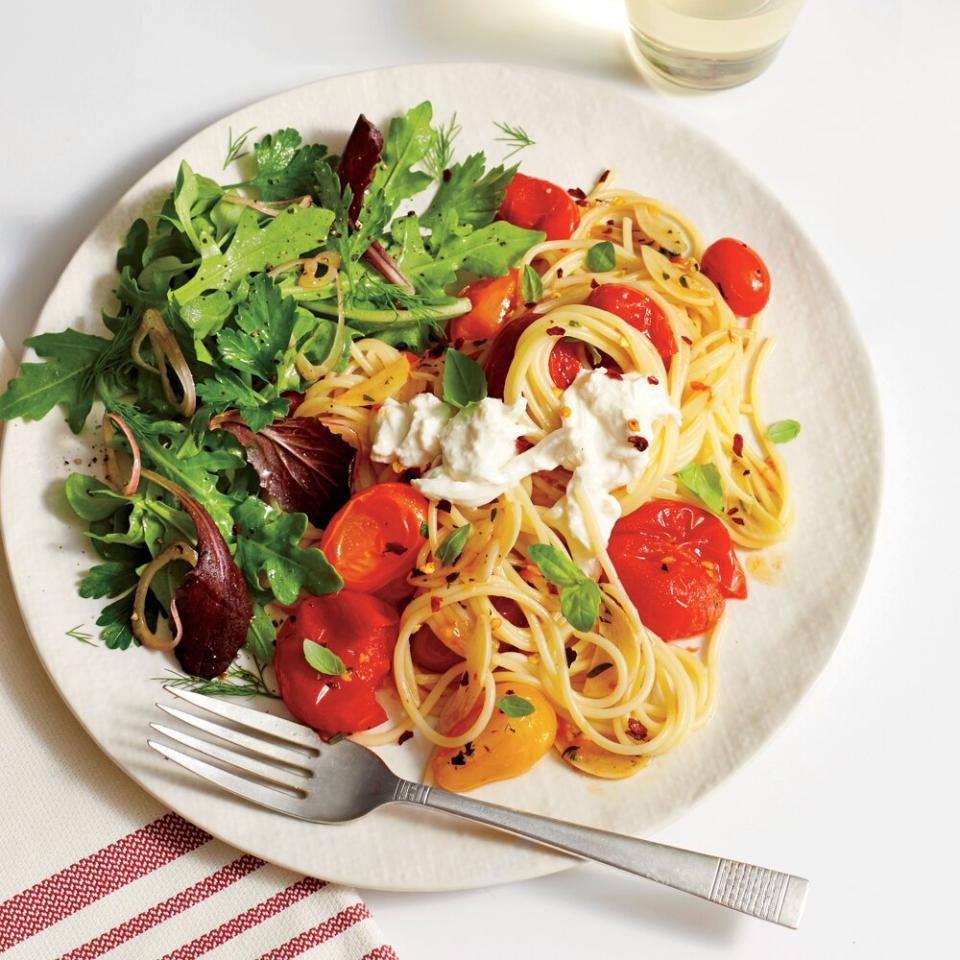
x=673 y=592
x=362 y=631
x=539 y=205
x=667 y=524
x=640 y=311
x=565 y=363
x=431 y=653
x=493 y=300
x=510 y=610
x=374 y=537
x=739 y=274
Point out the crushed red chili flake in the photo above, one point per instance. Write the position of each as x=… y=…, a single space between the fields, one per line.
x=452 y=577
x=739 y=521
x=464 y=679
x=458 y=759
x=594 y=283
x=443 y=505
x=570 y=654
x=556 y=331
x=603 y=176
x=732 y=511
x=641 y=443
x=653 y=381
x=636 y=729
x=447 y=174
x=523 y=444
x=404 y=737
x=559 y=272
x=613 y=373
x=746 y=473
x=738 y=445
x=576 y=192
x=458 y=343
x=396 y=548
x=698 y=385
x=468 y=748
x=686 y=340
x=435 y=604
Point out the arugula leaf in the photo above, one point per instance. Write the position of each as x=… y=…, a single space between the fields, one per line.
x=601 y=257
x=66 y=377
x=703 y=481
x=131 y=253
x=408 y=140
x=91 y=499
x=783 y=431
x=473 y=193
x=323 y=660
x=268 y=548
x=579 y=595
x=285 y=166
x=464 y=381
x=190 y=191
x=207 y=313
x=515 y=706
x=453 y=543
x=531 y=286
x=262 y=636
x=288 y=235
x=108 y=579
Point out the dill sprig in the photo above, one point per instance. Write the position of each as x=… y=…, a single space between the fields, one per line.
x=515 y=137
x=240 y=682
x=235 y=148
x=441 y=153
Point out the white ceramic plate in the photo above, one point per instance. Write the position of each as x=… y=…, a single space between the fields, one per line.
x=776 y=643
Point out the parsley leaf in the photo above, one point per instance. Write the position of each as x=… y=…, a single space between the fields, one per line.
x=464 y=381
x=258 y=408
x=703 y=481
x=783 y=431
x=285 y=165
x=453 y=543
x=108 y=579
x=323 y=660
x=473 y=193
x=270 y=555
x=514 y=706
x=579 y=595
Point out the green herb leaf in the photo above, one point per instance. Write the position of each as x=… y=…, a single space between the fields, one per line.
x=323 y=660
x=424 y=530
x=236 y=145
x=440 y=154
x=192 y=195
x=531 y=286
x=288 y=235
x=555 y=565
x=703 y=481
x=453 y=544
x=475 y=194
x=408 y=140
x=514 y=706
x=580 y=596
x=515 y=137
x=601 y=257
x=91 y=499
x=783 y=431
x=464 y=381
x=262 y=636
x=285 y=166
x=269 y=553
x=108 y=580
x=598 y=669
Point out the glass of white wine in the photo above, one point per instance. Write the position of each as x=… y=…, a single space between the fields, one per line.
x=710 y=44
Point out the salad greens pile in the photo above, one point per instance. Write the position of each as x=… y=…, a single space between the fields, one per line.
x=202 y=358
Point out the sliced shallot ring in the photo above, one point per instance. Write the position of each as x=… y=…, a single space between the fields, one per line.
x=168 y=353
x=130 y=487
x=138 y=620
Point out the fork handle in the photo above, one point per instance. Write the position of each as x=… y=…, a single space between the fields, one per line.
x=756 y=891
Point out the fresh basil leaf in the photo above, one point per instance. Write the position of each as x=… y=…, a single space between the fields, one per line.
x=262 y=636
x=464 y=381
x=580 y=604
x=323 y=660
x=453 y=544
x=601 y=257
x=703 y=481
x=514 y=706
x=783 y=431
x=555 y=565
x=531 y=286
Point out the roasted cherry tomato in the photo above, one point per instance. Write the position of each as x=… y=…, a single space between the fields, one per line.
x=510 y=610
x=506 y=747
x=493 y=299
x=675 y=595
x=668 y=523
x=374 y=537
x=540 y=205
x=640 y=311
x=739 y=274
x=565 y=363
x=362 y=631
x=431 y=653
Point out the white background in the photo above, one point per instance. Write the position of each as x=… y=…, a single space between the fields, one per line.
x=856 y=128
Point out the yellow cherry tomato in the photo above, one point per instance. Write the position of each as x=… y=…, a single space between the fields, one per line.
x=586 y=756
x=507 y=746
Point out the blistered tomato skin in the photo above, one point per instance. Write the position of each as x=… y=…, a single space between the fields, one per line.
x=492 y=300
x=540 y=205
x=739 y=273
x=362 y=631
x=640 y=311
x=507 y=746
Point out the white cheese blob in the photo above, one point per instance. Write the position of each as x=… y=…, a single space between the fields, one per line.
x=608 y=427
x=409 y=433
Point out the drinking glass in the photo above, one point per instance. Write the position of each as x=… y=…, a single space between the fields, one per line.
x=710 y=44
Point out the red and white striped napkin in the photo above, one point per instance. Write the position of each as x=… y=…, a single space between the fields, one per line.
x=90 y=866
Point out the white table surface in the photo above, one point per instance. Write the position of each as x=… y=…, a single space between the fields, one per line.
x=860 y=791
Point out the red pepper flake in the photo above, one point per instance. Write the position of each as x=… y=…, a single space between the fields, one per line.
x=746 y=473
x=636 y=729
x=458 y=759
x=459 y=342
x=739 y=521
x=698 y=385
x=603 y=176
x=570 y=654
x=614 y=373
x=641 y=443
x=523 y=444
x=435 y=604
x=556 y=331
x=738 y=445
x=686 y=340
x=594 y=283
x=443 y=505
x=576 y=192
x=559 y=273
x=732 y=511
x=447 y=174
x=395 y=548
x=404 y=737
x=653 y=381
x=464 y=679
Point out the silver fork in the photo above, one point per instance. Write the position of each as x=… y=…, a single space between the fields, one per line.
x=333 y=783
